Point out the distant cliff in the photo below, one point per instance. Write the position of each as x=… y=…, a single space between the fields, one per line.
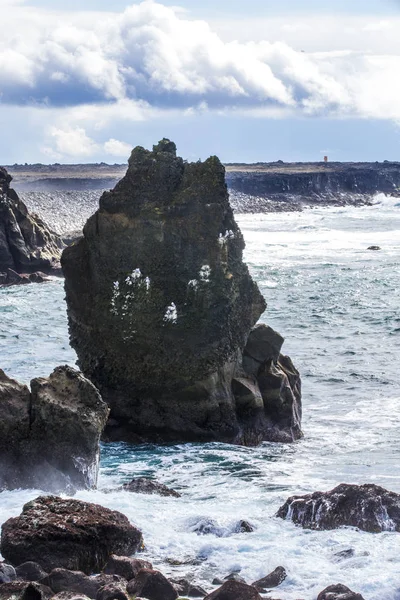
x=253 y=187
x=274 y=185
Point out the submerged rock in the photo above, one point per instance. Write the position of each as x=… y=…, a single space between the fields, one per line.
x=272 y=580
x=49 y=436
x=338 y=592
x=368 y=507
x=161 y=305
x=68 y=534
x=26 y=243
x=142 y=485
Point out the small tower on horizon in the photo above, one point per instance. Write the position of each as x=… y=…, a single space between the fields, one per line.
x=325 y=159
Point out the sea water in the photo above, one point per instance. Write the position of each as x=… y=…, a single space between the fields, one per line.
x=336 y=303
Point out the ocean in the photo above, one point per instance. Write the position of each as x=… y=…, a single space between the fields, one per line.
x=336 y=304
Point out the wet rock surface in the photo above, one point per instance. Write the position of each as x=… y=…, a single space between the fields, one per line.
x=153 y=585
x=125 y=566
x=234 y=590
x=160 y=265
x=141 y=485
x=338 y=592
x=49 y=436
x=272 y=580
x=26 y=243
x=368 y=507
x=69 y=534
x=24 y=590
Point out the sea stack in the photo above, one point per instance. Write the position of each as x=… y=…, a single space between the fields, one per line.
x=162 y=308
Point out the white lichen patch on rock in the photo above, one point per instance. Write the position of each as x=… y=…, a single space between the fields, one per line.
x=122 y=298
x=204 y=273
x=171 y=314
x=228 y=235
x=193 y=283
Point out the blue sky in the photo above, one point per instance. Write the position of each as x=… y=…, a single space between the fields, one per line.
x=250 y=81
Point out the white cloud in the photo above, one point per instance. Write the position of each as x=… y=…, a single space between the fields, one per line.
x=117 y=148
x=72 y=141
x=90 y=70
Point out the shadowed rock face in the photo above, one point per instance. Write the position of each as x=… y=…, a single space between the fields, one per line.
x=49 y=437
x=160 y=305
x=368 y=507
x=26 y=243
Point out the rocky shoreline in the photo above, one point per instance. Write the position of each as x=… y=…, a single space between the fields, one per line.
x=66 y=549
x=162 y=254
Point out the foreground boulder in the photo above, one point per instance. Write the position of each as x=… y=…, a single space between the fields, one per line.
x=24 y=590
x=338 y=592
x=26 y=243
x=234 y=590
x=160 y=266
x=69 y=534
x=125 y=566
x=49 y=436
x=368 y=507
x=272 y=580
x=153 y=585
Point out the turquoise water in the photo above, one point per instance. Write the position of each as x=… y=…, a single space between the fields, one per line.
x=336 y=303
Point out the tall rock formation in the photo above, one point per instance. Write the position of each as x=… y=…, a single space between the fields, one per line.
x=161 y=306
x=26 y=243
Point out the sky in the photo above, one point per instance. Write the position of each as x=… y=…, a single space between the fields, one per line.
x=249 y=81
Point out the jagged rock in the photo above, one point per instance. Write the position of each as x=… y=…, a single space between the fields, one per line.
x=160 y=265
x=234 y=590
x=125 y=566
x=26 y=243
x=245 y=527
x=152 y=585
x=272 y=580
x=24 y=590
x=374 y=248
x=338 y=592
x=368 y=507
x=30 y=571
x=64 y=580
x=234 y=577
x=186 y=588
x=7 y=573
x=142 y=485
x=49 y=437
x=69 y=534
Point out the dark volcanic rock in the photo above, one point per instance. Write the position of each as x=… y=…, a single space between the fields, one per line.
x=7 y=573
x=49 y=437
x=67 y=533
x=63 y=580
x=368 y=507
x=142 y=485
x=125 y=567
x=26 y=243
x=152 y=585
x=186 y=588
x=24 y=590
x=338 y=592
x=272 y=580
x=234 y=590
x=113 y=591
x=30 y=571
x=160 y=266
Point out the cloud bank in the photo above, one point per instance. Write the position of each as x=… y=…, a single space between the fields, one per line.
x=152 y=59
